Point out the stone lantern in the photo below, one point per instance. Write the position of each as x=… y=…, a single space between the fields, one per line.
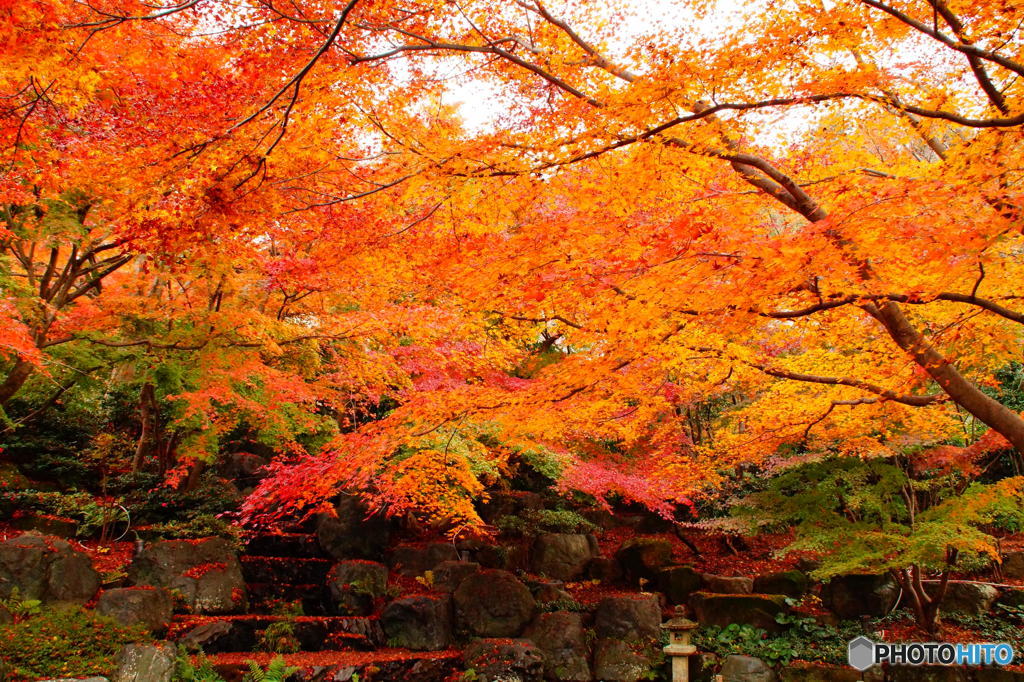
x=680 y=630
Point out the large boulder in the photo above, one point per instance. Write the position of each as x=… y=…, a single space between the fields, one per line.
x=757 y=610
x=150 y=607
x=1013 y=596
x=628 y=618
x=1013 y=565
x=350 y=532
x=563 y=639
x=448 y=575
x=47 y=569
x=146 y=663
x=354 y=584
x=563 y=556
x=790 y=583
x=806 y=672
x=679 y=582
x=643 y=558
x=505 y=660
x=935 y=673
x=422 y=623
x=416 y=559
x=493 y=603
x=737 y=668
x=722 y=584
x=968 y=598
x=616 y=661
x=204 y=574
x=856 y=595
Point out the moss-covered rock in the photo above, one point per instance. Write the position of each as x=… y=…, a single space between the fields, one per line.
x=757 y=610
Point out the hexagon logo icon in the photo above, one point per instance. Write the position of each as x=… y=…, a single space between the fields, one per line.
x=861 y=653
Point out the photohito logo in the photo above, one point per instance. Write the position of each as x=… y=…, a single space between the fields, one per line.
x=863 y=653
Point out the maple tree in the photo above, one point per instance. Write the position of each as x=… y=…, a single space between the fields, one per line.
x=671 y=253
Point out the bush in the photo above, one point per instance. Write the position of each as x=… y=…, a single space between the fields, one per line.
x=803 y=639
x=546 y=521
x=64 y=642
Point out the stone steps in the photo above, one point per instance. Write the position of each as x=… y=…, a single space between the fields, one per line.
x=245 y=633
x=267 y=597
x=285 y=569
x=382 y=664
x=291 y=545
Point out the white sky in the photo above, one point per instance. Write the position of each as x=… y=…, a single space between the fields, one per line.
x=480 y=104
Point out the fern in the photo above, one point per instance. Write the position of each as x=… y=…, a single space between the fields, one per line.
x=277 y=671
x=202 y=671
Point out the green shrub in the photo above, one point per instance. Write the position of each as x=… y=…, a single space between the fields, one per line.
x=197 y=526
x=544 y=521
x=803 y=639
x=63 y=642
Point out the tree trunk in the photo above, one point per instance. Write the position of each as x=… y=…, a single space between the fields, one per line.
x=967 y=395
x=16 y=378
x=147 y=415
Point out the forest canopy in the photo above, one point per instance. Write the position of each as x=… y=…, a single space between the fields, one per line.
x=663 y=253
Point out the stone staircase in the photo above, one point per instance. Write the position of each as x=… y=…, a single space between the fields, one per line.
x=286 y=576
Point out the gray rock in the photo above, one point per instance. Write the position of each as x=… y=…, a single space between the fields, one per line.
x=972 y=599
x=563 y=556
x=790 y=583
x=932 y=673
x=801 y=672
x=202 y=636
x=205 y=573
x=643 y=558
x=757 y=610
x=47 y=569
x=493 y=603
x=562 y=638
x=1013 y=565
x=414 y=560
x=721 y=584
x=349 y=533
x=630 y=618
x=77 y=679
x=448 y=575
x=150 y=607
x=1013 y=596
x=1001 y=675
x=615 y=661
x=505 y=660
x=746 y=669
x=547 y=594
x=679 y=582
x=420 y=623
x=856 y=595
x=354 y=584
x=146 y=663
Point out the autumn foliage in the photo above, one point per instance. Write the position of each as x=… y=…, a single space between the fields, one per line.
x=658 y=248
